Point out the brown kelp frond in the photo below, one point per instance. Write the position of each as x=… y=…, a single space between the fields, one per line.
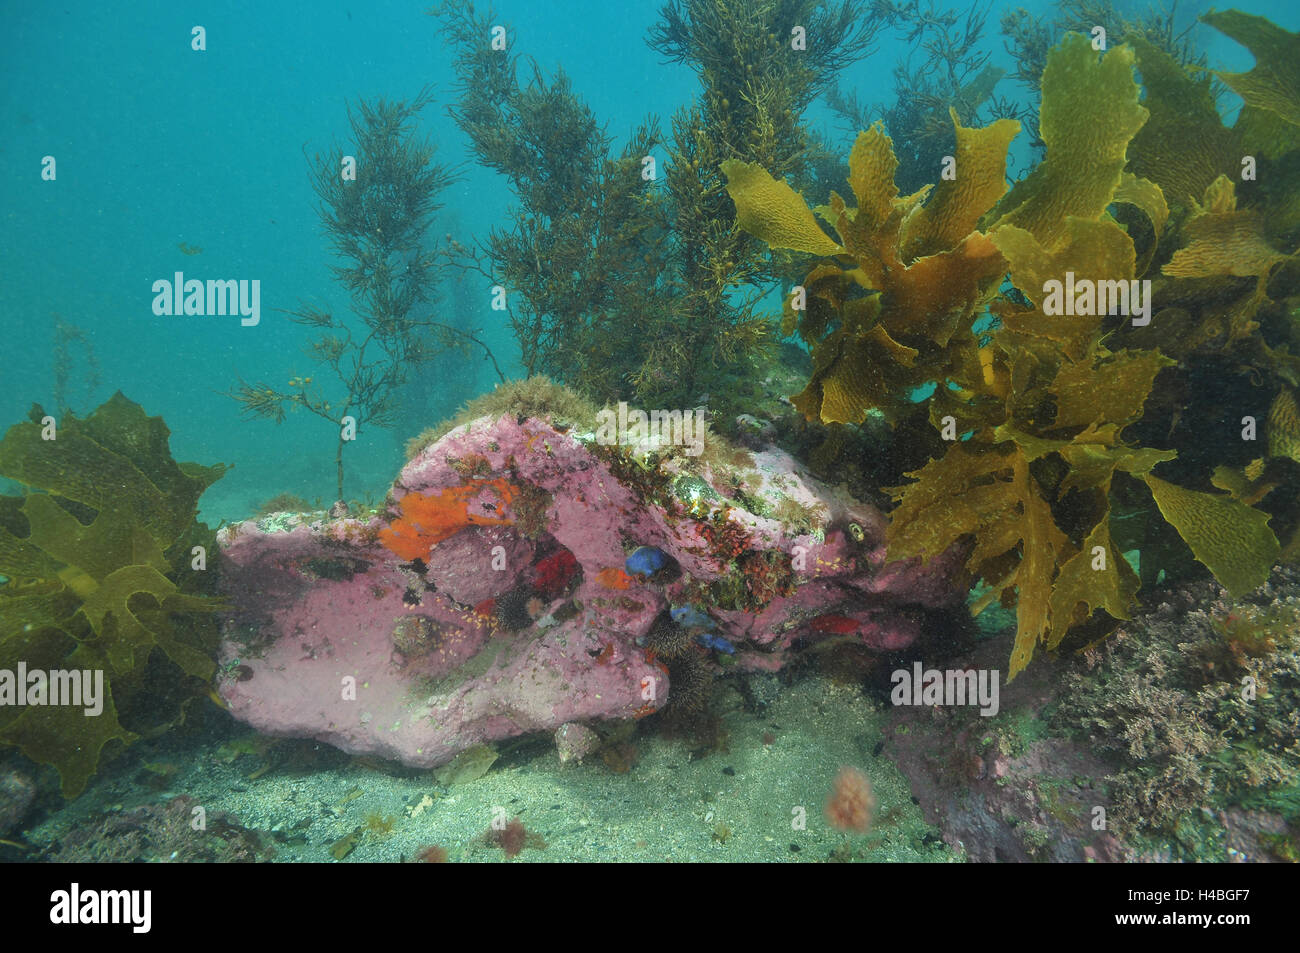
x=1029 y=393
x=102 y=573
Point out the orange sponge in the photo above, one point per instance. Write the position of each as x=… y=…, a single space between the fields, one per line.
x=429 y=518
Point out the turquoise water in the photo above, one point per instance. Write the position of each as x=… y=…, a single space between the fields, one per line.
x=158 y=145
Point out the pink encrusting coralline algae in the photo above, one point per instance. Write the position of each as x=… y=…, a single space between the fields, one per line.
x=491 y=599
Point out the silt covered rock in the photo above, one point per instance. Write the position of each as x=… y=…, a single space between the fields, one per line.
x=492 y=598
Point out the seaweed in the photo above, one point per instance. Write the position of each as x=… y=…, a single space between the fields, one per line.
x=1167 y=702
x=1183 y=146
x=101 y=574
x=377 y=221
x=536 y=396
x=1274 y=83
x=952 y=72
x=1032 y=402
x=584 y=248
x=1029 y=38
x=598 y=242
x=757 y=83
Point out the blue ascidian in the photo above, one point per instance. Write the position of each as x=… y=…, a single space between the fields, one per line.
x=690 y=617
x=646 y=561
x=711 y=641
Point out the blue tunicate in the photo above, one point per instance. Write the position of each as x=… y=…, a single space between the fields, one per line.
x=691 y=618
x=711 y=641
x=646 y=560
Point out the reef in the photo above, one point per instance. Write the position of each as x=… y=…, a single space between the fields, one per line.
x=178 y=831
x=521 y=578
x=1064 y=402
x=536 y=396
x=1198 y=706
x=1175 y=739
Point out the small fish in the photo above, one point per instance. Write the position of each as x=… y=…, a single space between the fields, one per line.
x=470 y=765
x=351 y=795
x=690 y=617
x=711 y=641
x=345 y=844
x=836 y=624
x=646 y=560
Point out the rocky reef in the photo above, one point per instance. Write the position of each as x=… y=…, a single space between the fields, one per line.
x=1173 y=740
x=526 y=579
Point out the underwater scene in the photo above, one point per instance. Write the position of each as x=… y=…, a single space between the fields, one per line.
x=665 y=431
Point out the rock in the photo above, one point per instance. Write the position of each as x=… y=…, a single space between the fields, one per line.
x=754 y=433
x=1001 y=797
x=17 y=792
x=1090 y=756
x=160 y=833
x=491 y=599
x=463 y=564
x=573 y=741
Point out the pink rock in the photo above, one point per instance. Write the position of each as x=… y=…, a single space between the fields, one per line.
x=335 y=637
x=463 y=565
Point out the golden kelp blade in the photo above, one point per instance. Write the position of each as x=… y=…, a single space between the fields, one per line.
x=773 y=211
x=1274 y=83
x=1284 y=427
x=1090 y=113
x=1230 y=538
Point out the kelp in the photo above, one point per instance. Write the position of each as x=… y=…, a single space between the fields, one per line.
x=1223 y=276
x=1284 y=427
x=1183 y=146
x=776 y=210
x=1230 y=223
x=1232 y=539
x=1090 y=113
x=1274 y=84
x=918 y=302
x=949 y=72
x=1034 y=406
x=97 y=556
x=1223 y=240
